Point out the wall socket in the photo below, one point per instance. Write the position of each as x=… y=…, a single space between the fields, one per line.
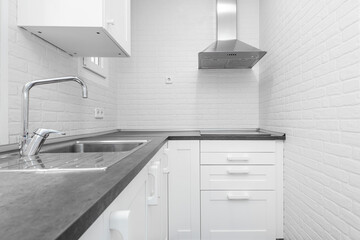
x=99 y=113
x=168 y=80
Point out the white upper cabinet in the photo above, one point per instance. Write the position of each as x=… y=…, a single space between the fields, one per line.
x=87 y=28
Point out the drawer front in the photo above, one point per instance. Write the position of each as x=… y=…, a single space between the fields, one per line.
x=238 y=215
x=237 y=146
x=238 y=158
x=238 y=177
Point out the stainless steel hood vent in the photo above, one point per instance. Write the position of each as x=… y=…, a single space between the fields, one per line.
x=228 y=52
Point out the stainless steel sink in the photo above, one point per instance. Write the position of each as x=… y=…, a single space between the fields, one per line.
x=97 y=146
x=72 y=156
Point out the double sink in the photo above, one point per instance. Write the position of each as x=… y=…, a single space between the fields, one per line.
x=87 y=155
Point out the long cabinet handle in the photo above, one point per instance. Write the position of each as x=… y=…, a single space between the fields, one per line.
x=119 y=221
x=154 y=172
x=166 y=169
x=244 y=170
x=244 y=158
x=238 y=196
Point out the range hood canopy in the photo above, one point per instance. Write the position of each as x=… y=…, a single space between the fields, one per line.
x=228 y=52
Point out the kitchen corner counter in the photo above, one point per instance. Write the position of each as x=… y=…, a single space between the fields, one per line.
x=62 y=205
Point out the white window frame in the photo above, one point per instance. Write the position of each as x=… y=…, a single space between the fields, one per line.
x=95 y=64
x=98 y=73
x=4 y=95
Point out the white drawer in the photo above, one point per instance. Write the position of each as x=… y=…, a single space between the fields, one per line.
x=238 y=177
x=238 y=215
x=237 y=146
x=238 y=158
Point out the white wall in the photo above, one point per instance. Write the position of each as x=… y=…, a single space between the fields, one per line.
x=310 y=89
x=166 y=39
x=53 y=106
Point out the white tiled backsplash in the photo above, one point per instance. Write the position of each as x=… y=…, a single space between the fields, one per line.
x=166 y=38
x=309 y=88
x=137 y=96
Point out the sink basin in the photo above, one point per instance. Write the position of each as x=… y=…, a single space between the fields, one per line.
x=72 y=156
x=97 y=146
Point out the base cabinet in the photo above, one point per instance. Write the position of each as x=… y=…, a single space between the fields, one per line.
x=138 y=212
x=157 y=200
x=227 y=215
x=125 y=218
x=241 y=190
x=184 y=194
x=201 y=190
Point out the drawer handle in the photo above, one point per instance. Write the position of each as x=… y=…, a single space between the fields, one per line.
x=244 y=158
x=238 y=171
x=244 y=196
x=110 y=21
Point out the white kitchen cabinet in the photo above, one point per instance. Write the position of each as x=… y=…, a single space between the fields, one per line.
x=236 y=189
x=238 y=146
x=157 y=197
x=241 y=190
x=227 y=177
x=137 y=213
x=132 y=201
x=126 y=215
x=184 y=190
x=97 y=28
x=165 y=194
x=228 y=215
x=238 y=158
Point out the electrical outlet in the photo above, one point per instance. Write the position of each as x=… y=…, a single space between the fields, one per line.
x=168 y=80
x=99 y=113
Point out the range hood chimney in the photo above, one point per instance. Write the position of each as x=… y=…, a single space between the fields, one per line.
x=228 y=52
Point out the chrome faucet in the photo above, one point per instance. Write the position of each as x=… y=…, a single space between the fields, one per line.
x=31 y=145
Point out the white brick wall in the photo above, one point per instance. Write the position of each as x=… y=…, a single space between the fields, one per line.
x=310 y=89
x=53 y=106
x=166 y=38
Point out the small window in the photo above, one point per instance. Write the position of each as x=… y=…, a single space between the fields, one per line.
x=95 y=65
x=94 y=69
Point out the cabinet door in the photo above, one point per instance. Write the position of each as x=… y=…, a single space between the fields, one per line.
x=132 y=202
x=158 y=211
x=154 y=199
x=234 y=215
x=117 y=22
x=165 y=194
x=236 y=177
x=184 y=190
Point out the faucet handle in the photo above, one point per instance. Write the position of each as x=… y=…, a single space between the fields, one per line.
x=46 y=132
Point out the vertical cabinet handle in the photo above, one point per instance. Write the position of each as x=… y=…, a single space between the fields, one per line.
x=238 y=196
x=166 y=169
x=243 y=157
x=154 y=173
x=119 y=221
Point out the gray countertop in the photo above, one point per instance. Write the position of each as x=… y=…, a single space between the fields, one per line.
x=63 y=205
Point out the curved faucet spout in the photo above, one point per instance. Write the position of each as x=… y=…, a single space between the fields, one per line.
x=25 y=104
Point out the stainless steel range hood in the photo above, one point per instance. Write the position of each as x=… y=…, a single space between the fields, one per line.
x=228 y=52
